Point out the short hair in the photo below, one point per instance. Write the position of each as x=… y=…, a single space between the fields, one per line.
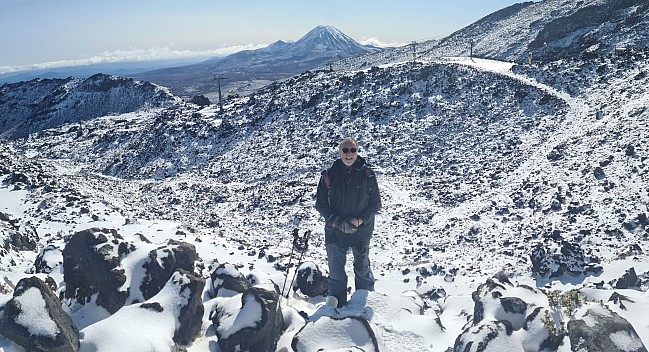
x=348 y=140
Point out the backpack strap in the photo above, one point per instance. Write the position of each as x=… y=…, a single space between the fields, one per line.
x=368 y=185
x=325 y=176
x=327 y=181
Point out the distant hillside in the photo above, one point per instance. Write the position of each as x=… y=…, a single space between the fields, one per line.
x=548 y=29
x=39 y=104
x=249 y=69
x=122 y=68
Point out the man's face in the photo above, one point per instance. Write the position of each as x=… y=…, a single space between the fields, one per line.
x=348 y=153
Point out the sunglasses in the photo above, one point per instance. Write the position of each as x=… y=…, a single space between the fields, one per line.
x=347 y=150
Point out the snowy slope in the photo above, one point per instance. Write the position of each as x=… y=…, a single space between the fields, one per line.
x=30 y=107
x=448 y=137
x=548 y=29
x=473 y=177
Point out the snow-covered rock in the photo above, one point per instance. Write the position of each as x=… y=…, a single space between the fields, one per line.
x=170 y=318
x=35 y=320
x=250 y=321
x=311 y=280
x=31 y=107
x=102 y=268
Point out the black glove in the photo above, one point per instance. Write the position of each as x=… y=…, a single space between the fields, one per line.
x=335 y=222
x=347 y=227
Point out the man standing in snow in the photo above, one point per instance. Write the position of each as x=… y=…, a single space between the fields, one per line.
x=348 y=198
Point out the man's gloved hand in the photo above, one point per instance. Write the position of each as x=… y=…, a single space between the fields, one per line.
x=347 y=227
x=336 y=221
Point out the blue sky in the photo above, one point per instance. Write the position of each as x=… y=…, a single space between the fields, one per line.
x=62 y=32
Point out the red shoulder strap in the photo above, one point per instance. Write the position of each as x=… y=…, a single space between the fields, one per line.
x=325 y=173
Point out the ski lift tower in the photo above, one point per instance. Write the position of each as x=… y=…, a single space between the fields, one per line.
x=414 y=51
x=218 y=79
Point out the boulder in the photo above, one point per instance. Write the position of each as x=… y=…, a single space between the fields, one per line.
x=631 y=250
x=477 y=338
x=49 y=258
x=619 y=300
x=18 y=177
x=168 y=321
x=513 y=305
x=91 y=266
x=431 y=293
x=310 y=280
x=4 y=217
x=252 y=321
x=163 y=261
x=226 y=276
x=190 y=316
x=599 y=173
x=601 y=330
x=628 y=280
x=200 y=100
x=555 y=258
x=17 y=238
x=492 y=302
x=501 y=314
x=35 y=320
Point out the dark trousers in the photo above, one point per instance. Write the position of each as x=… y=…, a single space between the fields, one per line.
x=363 y=277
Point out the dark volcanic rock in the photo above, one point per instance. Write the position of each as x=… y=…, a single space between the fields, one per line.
x=163 y=262
x=627 y=280
x=226 y=276
x=554 y=258
x=265 y=333
x=33 y=299
x=600 y=330
x=310 y=280
x=91 y=265
x=191 y=314
x=50 y=257
x=200 y=100
x=17 y=238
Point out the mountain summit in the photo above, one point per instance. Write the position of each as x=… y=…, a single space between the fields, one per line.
x=321 y=45
x=329 y=39
x=254 y=68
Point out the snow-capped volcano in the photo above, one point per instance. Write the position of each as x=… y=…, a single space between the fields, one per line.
x=330 y=39
x=322 y=45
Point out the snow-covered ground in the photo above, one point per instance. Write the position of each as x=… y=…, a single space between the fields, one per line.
x=479 y=162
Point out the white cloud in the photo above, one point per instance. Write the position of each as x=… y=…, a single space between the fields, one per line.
x=132 y=55
x=375 y=42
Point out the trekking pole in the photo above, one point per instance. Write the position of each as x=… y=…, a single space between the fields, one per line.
x=290 y=257
x=303 y=248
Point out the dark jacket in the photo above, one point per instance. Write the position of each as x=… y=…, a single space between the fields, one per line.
x=354 y=193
